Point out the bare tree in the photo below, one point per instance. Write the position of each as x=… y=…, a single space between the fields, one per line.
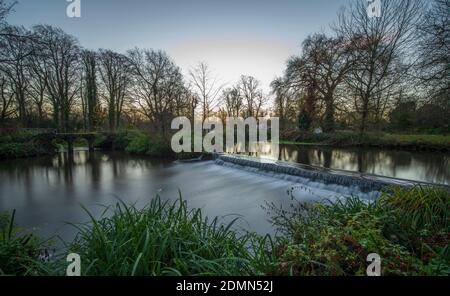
x=233 y=102
x=89 y=96
x=14 y=52
x=252 y=95
x=5 y=9
x=434 y=48
x=320 y=70
x=285 y=101
x=157 y=86
x=115 y=74
x=206 y=88
x=38 y=85
x=379 y=47
x=60 y=54
x=7 y=97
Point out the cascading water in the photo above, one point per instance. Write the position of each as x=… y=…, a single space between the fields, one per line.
x=314 y=179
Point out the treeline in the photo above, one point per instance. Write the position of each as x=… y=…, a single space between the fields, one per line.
x=47 y=79
x=391 y=72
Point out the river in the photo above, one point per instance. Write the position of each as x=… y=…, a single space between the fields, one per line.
x=48 y=191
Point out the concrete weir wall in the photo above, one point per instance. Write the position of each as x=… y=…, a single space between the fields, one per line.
x=365 y=183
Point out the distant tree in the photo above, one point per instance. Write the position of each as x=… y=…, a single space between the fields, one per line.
x=232 y=100
x=435 y=44
x=14 y=50
x=252 y=96
x=379 y=48
x=5 y=10
x=403 y=116
x=321 y=69
x=304 y=120
x=7 y=97
x=60 y=56
x=157 y=86
x=433 y=118
x=115 y=72
x=285 y=101
x=89 y=96
x=205 y=85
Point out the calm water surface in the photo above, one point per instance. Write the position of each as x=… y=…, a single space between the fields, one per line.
x=432 y=167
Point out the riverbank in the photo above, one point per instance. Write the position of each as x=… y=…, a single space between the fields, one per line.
x=24 y=144
x=415 y=142
x=409 y=229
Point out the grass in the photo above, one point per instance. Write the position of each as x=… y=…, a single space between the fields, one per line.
x=19 y=251
x=373 y=139
x=163 y=239
x=408 y=228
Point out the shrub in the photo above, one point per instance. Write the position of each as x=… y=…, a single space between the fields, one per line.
x=335 y=239
x=159 y=147
x=25 y=144
x=407 y=228
x=118 y=141
x=139 y=144
x=155 y=146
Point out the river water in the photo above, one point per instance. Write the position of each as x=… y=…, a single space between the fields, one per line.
x=47 y=192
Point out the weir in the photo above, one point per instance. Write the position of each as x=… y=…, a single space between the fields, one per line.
x=363 y=182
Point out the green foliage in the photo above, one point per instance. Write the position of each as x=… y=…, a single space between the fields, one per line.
x=165 y=238
x=135 y=142
x=420 y=220
x=155 y=146
x=20 y=150
x=118 y=141
x=407 y=228
x=374 y=139
x=24 y=144
x=18 y=251
x=403 y=115
x=139 y=144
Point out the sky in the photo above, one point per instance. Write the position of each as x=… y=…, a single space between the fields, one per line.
x=235 y=37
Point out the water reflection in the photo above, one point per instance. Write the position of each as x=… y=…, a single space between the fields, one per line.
x=433 y=167
x=48 y=191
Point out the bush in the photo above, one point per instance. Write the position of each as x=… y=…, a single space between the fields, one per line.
x=116 y=141
x=335 y=238
x=139 y=144
x=155 y=146
x=25 y=144
x=20 y=150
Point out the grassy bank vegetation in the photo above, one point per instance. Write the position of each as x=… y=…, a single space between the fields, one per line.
x=21 y=144
x=136 y=142
x=409 y=229
x=372 y=139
